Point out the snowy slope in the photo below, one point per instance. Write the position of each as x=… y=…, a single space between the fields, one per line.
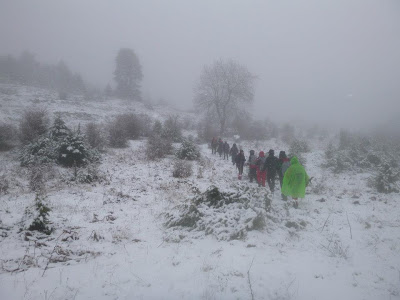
x=14 y=99
x=110 y=241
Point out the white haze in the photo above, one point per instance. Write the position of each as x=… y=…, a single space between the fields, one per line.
x=332 y=62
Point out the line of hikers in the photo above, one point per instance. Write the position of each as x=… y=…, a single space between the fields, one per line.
x=292 y=175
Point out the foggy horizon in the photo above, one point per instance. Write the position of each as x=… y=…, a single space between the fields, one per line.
x=329 y=63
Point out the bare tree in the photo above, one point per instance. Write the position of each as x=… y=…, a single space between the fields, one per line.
x=223 y=90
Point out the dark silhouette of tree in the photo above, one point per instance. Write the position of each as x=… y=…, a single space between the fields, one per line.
x=27 y=70
x=108 y=92
x=223 y=90
x=128 y=75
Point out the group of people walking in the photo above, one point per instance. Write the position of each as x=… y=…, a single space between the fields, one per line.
x=292 y=176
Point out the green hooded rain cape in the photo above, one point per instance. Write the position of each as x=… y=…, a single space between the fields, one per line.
x=295 y=180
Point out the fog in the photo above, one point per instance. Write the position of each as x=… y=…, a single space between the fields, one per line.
x=331 y=62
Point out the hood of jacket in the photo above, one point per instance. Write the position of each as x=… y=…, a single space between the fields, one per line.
x=261 y=154
x=294 y=160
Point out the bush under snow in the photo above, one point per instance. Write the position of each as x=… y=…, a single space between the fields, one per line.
x=227 y=216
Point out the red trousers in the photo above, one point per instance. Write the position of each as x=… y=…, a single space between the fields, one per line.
x=261 y=175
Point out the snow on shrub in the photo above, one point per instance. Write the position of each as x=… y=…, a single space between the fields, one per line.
x=117 y=133
x=36 y=217
x=94 y=136
x=298 y=146
x=157 y=128
x=73 y=151
x=61 y=146
x=359 y=153
x=386 y=180
x=182 y=169
x=227 y=216
x=4 y=184
x=34 y=123
x=88 y=174
x=144 y=122
x=37 y=177
x=127 y=126
x=188 y=150
x=42 y=150
x=59 y=130
x=158 y=147
x=172 y=129
x=7 y=136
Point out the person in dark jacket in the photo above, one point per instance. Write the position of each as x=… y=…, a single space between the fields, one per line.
x=270 y=166
x=234 y=152
x=252 y=166
x=282 y=165
x=226 y=150
x=214 y=144
x=220 y=147
x=261 y=174
x=240 y=160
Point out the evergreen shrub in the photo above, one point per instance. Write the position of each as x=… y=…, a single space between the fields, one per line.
x=158 y=147
x=38 y=216
x=188 y=150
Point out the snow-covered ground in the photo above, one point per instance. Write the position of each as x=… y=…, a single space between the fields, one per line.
x=110 y=242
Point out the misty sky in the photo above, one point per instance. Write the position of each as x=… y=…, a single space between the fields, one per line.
x=323 y=61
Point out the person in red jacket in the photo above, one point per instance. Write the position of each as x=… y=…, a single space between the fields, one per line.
x=261 y=174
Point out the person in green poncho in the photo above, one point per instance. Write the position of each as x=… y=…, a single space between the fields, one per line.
x=295 y=181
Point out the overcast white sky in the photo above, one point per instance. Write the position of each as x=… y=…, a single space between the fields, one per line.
x=316 y=60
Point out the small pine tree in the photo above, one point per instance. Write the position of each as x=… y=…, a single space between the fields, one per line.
x=157 y=128
x=172 y=130
x=73 y=151
x=386 y=179
x=40 y=216
x=330 y=151
x=158 y=147
x=59 y=130
x=42 y=150
x=188 y=150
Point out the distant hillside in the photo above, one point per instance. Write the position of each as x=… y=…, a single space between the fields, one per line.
x=14 y=99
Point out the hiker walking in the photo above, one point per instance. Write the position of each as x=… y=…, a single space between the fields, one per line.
x=226 y=150
x=295 y=181
x=220 y=148
x=214 y=145
x=252 y=166
x=270 y=168
x=240 y=160
x=261 y=174
x=234 y=152
x=282 y=165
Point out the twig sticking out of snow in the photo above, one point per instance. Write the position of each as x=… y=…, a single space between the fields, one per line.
x=325 y=222
x=248 y=279
x=351 y=234
x=51 y=255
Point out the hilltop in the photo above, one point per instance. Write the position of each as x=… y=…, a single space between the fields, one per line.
x=137 y=232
